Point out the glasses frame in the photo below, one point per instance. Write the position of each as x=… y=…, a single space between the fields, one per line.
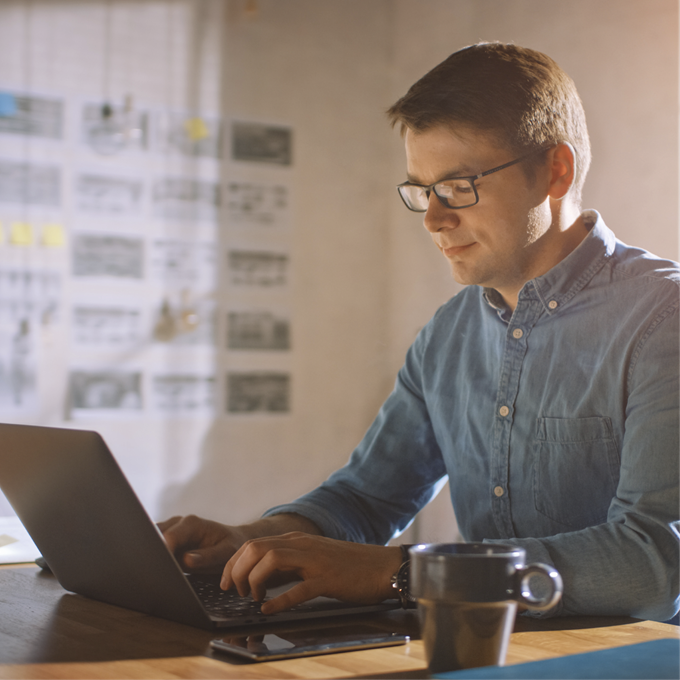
x=470 y=178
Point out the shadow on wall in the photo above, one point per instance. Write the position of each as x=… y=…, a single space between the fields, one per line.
x=197 y=494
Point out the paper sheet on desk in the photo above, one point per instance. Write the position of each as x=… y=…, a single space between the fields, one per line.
x=658 y=659
x=15 y=544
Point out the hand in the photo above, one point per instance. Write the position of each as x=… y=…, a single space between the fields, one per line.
x=352 y=572
x=201 y=545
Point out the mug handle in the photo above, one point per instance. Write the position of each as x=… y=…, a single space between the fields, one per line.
x=526 y=596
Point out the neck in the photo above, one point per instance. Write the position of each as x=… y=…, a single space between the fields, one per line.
x=567 y=229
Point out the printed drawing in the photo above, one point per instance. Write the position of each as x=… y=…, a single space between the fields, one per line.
x=266 y=392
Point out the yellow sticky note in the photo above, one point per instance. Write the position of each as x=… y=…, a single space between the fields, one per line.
x=53 y=235
x=196 y=129
x=21 y=234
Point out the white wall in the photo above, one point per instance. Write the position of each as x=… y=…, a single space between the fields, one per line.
x=320 y=67
x=366 y=277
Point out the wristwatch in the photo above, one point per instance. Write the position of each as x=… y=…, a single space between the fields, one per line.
x=400 y=580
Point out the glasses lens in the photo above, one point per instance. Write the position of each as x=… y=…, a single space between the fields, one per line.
x=416 y=198
x=456 y=193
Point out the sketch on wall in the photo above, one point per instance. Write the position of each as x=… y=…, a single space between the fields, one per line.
x=258 y=392
x=100 y=390
x=256 y=204
x=30 y=184
x=180 y=393
x=261 y=143
x=108 y=196
x=258 y=330
x=183 y=199
x=258 y=268
x=183 y=262
x=18 y=367
x=30 y=299
x=29 y=293
x=31 y=115
x=107 y=326
x=98 y=255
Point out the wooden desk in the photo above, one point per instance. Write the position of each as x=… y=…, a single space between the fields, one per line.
x=46 y=632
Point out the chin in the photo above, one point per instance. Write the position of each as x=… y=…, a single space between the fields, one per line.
x=461 y=277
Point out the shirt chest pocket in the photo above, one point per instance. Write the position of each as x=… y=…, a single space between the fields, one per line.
x=576 y=470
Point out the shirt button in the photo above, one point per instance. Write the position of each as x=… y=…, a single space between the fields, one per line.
x=517 y=333
x=504 y=410
x=552 y=304
x=498 y=491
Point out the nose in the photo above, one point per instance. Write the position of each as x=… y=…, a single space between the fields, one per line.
x=438 y=216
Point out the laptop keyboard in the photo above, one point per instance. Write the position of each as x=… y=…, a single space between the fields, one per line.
x=229 y=604
x=223 y=603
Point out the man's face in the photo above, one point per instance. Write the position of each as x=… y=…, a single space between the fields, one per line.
x=504 y=240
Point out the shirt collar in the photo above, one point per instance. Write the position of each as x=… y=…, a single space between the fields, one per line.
x=558 y=285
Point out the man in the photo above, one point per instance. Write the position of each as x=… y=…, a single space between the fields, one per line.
x=547 y=390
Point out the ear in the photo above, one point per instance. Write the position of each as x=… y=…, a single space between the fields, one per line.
x=561 y=160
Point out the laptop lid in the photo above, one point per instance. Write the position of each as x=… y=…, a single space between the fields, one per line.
x=94 y=533
x=83 y=516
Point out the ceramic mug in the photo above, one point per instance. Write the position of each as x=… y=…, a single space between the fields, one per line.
x=467 y=599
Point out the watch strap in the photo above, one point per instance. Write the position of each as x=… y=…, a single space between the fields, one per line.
x=401 y=579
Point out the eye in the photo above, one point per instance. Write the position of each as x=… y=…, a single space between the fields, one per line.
x=454 y=187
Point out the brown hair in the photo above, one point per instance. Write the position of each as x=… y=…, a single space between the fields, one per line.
x=516 y=93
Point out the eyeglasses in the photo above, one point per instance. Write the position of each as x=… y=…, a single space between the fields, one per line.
x=456 y=192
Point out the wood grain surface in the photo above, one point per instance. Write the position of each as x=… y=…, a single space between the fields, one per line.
x=46 y=632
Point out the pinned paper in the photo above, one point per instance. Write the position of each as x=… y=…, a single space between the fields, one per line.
x=196 y=129
x=16 y=546
x=7 y=540
x=8 y=105
x=53 y=236
x=21 y=234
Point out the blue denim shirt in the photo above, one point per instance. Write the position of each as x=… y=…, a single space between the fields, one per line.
x=557 y=425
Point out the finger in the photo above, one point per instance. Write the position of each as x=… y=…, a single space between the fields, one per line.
x=167 y=523
x=165 y=527
x=252 y=555
x=182 y=532
x=274 y=561
x=253 y=564
x=299 y=593
x=211 y=558
x=227 y=580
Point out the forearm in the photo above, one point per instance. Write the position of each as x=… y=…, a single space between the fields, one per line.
x=614 y=569
x=277 y=525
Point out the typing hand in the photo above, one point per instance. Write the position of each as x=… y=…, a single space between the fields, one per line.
x=351 y=572
x=201 y=545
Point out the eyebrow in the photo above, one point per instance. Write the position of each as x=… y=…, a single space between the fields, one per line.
x=461 y=171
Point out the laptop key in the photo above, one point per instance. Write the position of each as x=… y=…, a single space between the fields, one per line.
x=223 y=602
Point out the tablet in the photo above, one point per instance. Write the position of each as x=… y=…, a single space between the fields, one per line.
x=286 y=645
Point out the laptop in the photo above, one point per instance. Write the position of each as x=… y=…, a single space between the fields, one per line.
x=99 y=542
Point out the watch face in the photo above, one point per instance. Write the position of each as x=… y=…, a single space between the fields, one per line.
x=401 y=582
x=402 y=577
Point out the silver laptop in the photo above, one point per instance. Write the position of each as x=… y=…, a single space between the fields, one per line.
x=98 y=540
